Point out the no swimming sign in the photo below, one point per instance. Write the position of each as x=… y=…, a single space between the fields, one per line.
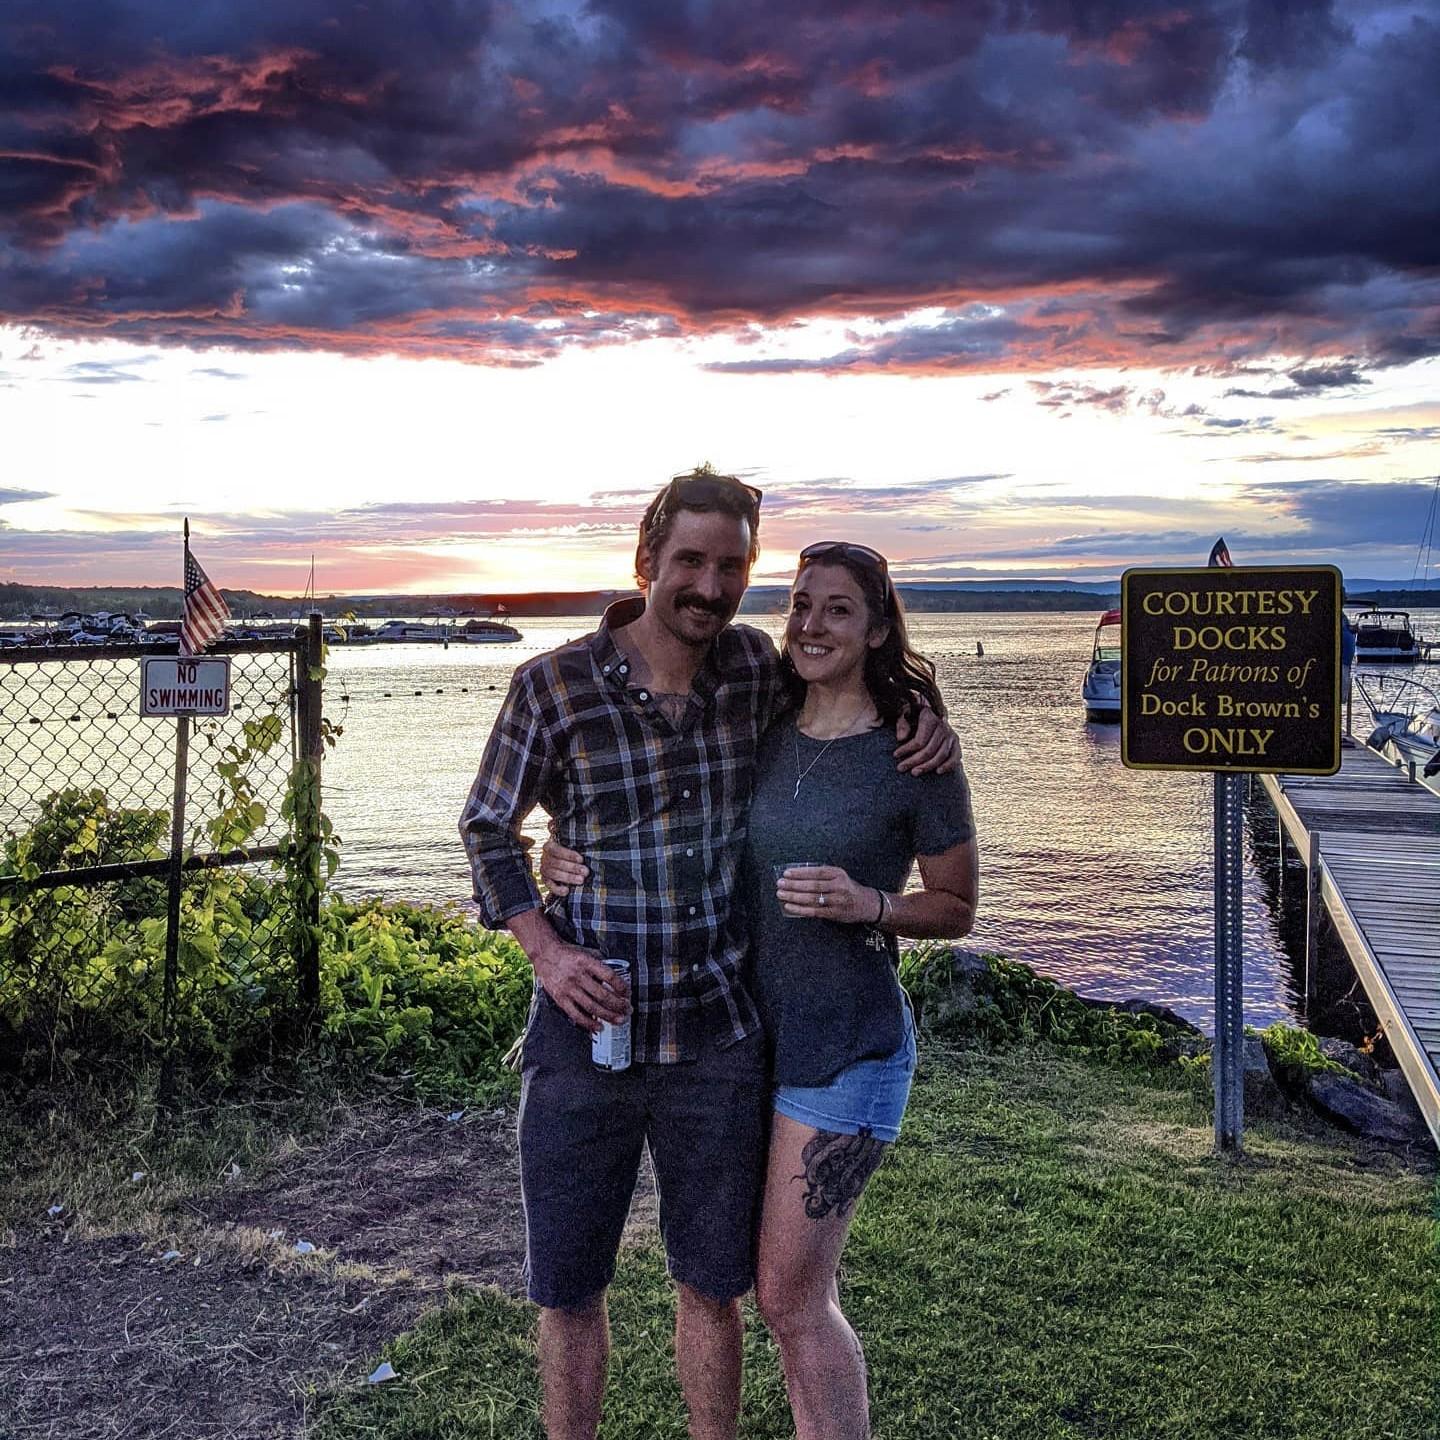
x=1231 y=669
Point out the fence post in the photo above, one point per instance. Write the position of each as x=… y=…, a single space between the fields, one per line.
x=309 y=843
x=168 y=1022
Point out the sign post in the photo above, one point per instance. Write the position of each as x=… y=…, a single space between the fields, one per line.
x=1227 y=1064
x=1235 y=670
x=181 y=686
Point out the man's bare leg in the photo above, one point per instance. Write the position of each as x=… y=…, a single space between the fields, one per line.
x=707 y=1354
x=574 y=1349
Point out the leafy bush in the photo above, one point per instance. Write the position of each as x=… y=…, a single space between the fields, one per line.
x=1296 y=1054
x=421 y=993
x=996 y=1001
x=413 y=992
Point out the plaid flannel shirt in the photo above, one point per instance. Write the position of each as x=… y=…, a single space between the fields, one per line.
x=657 y=811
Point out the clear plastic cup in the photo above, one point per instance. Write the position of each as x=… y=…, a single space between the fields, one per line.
x=779 y=872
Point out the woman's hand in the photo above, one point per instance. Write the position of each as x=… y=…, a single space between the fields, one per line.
x=826 y=892
x=561 y=869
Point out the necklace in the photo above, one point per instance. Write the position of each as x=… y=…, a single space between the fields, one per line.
x=795 y=739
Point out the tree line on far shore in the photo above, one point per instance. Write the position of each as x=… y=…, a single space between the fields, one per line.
x=21 y=602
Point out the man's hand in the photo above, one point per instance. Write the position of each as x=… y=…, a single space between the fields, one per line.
x=561 y=869
x=582 y=985
x=934 y=748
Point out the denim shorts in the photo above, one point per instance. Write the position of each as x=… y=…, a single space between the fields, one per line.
x=866 y=1098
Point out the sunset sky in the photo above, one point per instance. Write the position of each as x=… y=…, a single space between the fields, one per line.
x=442 y=292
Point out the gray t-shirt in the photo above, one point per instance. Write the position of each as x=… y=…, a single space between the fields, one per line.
x=828 y=993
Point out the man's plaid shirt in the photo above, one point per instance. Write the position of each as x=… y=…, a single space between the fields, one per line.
x=657 y=811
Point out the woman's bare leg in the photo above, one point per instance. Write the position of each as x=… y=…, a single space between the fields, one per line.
x=812 y=1186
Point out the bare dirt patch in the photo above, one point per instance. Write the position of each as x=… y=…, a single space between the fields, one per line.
x=101 y=1336
x=411 y=1192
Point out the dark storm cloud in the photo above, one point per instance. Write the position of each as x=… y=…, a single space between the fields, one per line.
x=1058 y=396
x=1308 y=381
x=1339 y=514
x=1219 y=427
x=1067 y=185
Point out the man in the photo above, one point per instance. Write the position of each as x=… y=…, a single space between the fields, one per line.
x=639 y=742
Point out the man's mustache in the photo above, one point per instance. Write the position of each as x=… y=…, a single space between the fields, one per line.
x=717 y=608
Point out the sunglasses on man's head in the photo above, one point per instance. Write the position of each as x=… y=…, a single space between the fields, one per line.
x=697 y=490
x=861 y=555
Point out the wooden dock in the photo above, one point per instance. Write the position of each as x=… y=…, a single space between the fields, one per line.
x=1371 y=836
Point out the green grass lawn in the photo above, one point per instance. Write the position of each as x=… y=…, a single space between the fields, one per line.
x=1052 y=1250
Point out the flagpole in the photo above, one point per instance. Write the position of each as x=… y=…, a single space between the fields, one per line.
x=177 y=859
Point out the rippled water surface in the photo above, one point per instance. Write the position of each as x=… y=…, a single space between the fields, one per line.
x=1098 y=876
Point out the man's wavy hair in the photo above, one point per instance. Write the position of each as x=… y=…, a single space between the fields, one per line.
x=659 y=517
x=899 y=678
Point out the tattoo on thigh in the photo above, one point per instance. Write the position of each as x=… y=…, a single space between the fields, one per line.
x=836 y=1169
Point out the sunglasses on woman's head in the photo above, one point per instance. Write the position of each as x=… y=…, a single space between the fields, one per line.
x=859 y=554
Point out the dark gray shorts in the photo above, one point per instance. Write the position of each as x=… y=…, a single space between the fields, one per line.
x=582 y=1130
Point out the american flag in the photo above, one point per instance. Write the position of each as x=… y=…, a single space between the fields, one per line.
x=205 y=612
x=1220 y=554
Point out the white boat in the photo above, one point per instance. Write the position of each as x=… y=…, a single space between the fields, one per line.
x=1385 y=636
x=1101 y=689
x=487 y=632
x=412 y=632
x=1406 y=719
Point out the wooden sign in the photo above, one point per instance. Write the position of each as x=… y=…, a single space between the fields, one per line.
x=1231 y=669
x=184 y=686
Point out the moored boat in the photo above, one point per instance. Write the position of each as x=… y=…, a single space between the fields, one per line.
x=1385 y=636
x=1406 y=718
x=412 y=632
x=488 y=632
x=1101 y=687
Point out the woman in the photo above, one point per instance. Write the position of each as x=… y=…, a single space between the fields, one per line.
x=825 y=955
x=824 y=952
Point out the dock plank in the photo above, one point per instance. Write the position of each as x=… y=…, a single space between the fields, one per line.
x=1383 y=896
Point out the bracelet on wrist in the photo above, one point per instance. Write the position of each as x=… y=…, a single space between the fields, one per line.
x=880 y=916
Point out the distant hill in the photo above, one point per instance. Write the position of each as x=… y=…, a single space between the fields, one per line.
x=957 y=598
x=163 y=603
x=18 y=602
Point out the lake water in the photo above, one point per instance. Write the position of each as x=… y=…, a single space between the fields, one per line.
x=1097 y=876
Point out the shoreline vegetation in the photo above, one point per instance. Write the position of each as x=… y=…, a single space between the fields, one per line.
x=21 y=602
x=1054 y=1248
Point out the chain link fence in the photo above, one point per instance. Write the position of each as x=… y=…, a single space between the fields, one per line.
x=100 y=967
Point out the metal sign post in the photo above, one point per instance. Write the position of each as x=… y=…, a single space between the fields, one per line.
x=1234 y=670
x=166 y=1094
x=1227 y=1061
x=181 y=686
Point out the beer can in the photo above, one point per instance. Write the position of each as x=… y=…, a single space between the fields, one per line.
x=610 y=1048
